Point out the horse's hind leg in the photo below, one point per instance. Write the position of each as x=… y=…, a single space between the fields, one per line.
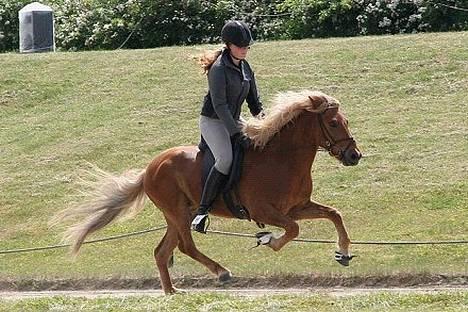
x=313 y=210
x=162 y=254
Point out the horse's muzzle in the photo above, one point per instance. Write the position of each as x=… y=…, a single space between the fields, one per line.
x=351 y=157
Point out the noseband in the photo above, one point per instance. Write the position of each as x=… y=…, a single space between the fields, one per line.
x=330 y=142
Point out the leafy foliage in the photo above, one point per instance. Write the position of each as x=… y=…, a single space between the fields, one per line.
x=320 y=18
x=403 y=16
x=9 y=23
x=106 y=24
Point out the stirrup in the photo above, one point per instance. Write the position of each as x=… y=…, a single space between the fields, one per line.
x=199 y=223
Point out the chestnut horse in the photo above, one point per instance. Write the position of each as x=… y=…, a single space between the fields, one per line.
x=275 y=187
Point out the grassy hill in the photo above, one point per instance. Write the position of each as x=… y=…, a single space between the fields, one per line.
x=405 y=97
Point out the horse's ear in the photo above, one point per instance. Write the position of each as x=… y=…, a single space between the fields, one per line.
x=315 y=99
x=318 y=103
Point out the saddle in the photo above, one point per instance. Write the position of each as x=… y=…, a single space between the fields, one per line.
x=229 y=191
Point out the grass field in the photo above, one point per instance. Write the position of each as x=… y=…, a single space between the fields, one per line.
x=405 y=97
x=450 y=301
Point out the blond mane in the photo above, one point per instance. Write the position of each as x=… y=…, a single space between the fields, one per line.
x=285 y=107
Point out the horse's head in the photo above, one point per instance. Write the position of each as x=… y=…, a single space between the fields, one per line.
x=334 y=134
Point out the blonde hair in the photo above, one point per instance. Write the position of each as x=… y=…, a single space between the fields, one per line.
x=207 y=59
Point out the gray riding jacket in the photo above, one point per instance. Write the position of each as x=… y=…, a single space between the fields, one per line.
x=229 y=86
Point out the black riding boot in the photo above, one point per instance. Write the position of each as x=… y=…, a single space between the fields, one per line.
x=213 y=184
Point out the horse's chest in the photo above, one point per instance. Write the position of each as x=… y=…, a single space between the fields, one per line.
x=281 y=183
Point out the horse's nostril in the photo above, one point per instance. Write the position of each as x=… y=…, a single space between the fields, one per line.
x=354 y=156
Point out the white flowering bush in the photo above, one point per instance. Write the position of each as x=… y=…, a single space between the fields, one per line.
x=106 y=24
x=84 y=24
x=390 y=16
x=323 y=18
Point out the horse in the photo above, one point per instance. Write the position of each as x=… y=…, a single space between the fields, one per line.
x=275 y=187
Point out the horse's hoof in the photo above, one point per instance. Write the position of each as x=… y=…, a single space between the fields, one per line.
x=174 y=291
x=225 y=277
x=343 y=259
x=170 y=262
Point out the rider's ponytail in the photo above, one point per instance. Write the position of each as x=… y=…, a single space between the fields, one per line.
x=208 y=58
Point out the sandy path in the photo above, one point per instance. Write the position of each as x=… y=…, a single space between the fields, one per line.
x=336 y=292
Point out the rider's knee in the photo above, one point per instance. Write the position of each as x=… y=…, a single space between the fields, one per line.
x=223 y=164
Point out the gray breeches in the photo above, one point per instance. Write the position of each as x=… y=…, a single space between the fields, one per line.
x=217 y=137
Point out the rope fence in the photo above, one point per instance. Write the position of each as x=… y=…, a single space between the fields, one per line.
x=11 y=251
x=301 y=240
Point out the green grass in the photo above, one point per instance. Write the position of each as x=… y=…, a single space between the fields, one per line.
x=453 y=301
x=405 y=97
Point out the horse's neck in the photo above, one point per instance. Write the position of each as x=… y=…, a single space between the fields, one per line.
x=297 y=137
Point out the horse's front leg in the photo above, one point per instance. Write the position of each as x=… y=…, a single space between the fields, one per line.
x=291 y=229
x=314 y=210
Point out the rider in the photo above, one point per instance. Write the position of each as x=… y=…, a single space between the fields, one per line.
x=230 y=82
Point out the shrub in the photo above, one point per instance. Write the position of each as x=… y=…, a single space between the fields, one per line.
x=106 y=24
x=407 y=16
x=390 y=16
x=442 y=18
x=320 y=18
x=181 y=22
x=82 y=24
x=9 y=24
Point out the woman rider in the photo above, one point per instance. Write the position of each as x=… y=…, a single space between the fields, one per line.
x=230 y=82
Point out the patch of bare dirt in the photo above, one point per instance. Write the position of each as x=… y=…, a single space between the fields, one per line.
x=266 y=282
x=246 y=292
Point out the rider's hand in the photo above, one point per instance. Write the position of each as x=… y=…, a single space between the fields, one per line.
x=241 y=139
x=260 y=115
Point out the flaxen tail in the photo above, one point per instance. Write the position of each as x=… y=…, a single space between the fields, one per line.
x=109 y=198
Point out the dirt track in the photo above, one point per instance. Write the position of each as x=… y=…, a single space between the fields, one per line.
x=245 y=286
x=335 y=292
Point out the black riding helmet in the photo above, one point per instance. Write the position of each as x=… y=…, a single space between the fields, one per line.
x=238 y=33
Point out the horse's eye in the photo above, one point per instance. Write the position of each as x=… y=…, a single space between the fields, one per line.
x=334 y=123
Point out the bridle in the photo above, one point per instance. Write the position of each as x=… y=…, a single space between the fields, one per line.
x=330 y=142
